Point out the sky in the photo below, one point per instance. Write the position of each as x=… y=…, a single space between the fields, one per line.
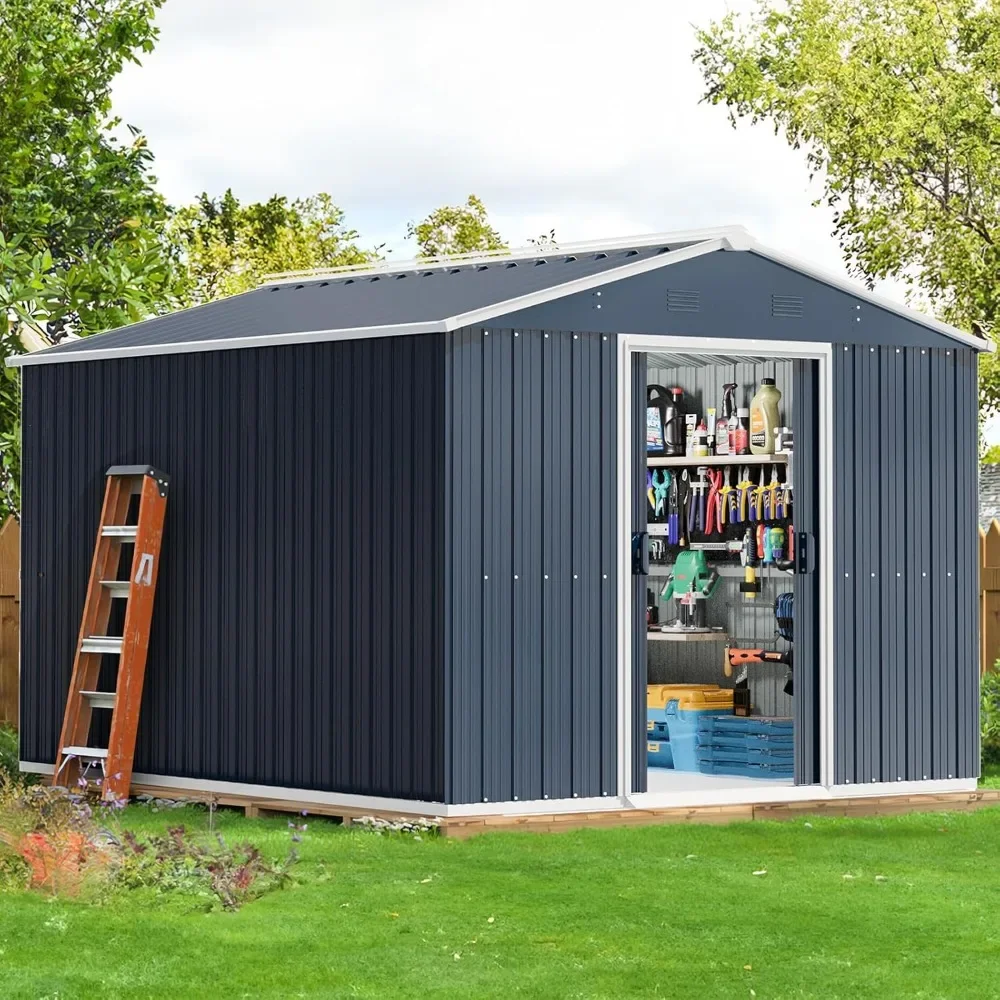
x=582 y=117
x=577 y=116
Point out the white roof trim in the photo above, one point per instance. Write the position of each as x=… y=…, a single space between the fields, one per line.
x=729 y=238
x=483 y=315
x=858 y=290
x=737 y=237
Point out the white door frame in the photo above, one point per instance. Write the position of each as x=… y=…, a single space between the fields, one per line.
x=634 y=343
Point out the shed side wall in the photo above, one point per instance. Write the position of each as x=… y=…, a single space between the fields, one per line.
x=298 y=631
x=905 y=564
x=531 y=577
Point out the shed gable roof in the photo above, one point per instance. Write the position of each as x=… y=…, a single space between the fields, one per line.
x=424 y=297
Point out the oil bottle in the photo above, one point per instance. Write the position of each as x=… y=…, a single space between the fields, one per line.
x=764 y=418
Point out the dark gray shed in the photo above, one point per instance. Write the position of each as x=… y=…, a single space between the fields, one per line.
x=397 y=562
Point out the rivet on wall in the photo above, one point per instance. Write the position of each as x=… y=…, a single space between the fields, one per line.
x=576 y=336
x=516 y=334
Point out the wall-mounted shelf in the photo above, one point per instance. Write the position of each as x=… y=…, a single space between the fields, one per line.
x=679 y=636
x=688 y=461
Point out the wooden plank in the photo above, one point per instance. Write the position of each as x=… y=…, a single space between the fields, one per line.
x=989 y=600
x=9 y=647
x=10 y=559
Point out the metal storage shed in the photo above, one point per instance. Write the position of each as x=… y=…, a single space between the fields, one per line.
x=397 y=565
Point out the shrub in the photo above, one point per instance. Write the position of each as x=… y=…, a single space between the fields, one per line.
x=989 y=715
x=230 y=875
x=52 y=832
x=9 y=759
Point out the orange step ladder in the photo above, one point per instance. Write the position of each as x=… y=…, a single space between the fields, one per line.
x=135 y=501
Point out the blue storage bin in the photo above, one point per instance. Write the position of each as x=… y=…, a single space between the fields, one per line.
x=761 y=754
x=657 y=730
x=659 y=753
x=745 y=741
x=741 y=770
x=732 y=725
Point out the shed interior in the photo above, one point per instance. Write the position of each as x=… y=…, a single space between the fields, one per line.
x=720 y=581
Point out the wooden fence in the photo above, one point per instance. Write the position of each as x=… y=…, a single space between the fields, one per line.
x=10 y=598
x=989 y=596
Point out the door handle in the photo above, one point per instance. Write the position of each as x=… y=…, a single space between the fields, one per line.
x=640 y=553
x=805 y=552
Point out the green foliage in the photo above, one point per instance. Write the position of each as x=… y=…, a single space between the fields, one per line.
x=80 y=219
x=225 y=247
x=992 y=455
x=9 y=757
x=896 y=104
x=989 y=716
x=177 y=862
x=456 y=229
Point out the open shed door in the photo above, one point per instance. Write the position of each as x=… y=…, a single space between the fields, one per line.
x=640 y=571
x=805 y=516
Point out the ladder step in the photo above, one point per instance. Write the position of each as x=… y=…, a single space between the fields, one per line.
x=88 y=753
x=101 y=644
x=100 y=699
x=119 y=530
x=118 y=588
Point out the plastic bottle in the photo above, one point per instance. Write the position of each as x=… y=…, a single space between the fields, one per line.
x=699 y=442
x=673 y=423
x=764 y=417
x=723 y=427
x=739 y=443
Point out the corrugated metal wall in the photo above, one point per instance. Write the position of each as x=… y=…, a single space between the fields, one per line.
x=905 y=564
x=298 y=631
x=530 y=682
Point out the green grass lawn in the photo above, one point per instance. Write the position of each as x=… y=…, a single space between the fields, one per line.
x=991 y=776
x=672 y=911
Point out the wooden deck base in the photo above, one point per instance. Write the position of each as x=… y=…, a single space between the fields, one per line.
x=469 y=826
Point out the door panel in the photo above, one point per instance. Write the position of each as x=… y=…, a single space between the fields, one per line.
x=639 y=570
x=805 y=517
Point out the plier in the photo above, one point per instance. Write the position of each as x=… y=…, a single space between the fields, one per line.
x=673 y=518
x=661 y=484
x=713 y=518
x=684 y=506
x=757 y=499
x=724 y=500
x=771 y=500
x=744 y=486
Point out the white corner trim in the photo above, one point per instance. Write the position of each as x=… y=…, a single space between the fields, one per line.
x=859 y=291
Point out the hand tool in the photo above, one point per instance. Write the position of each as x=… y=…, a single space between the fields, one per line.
x=748 y=556
x=650 y=492
x=757 y=499
x=673 y=516
x=743 y=486
x=771 y=497
x=683 y=505
x=713 y=517
x=699 y=490
x=724 y=500
x=741 y=657
x=695 y=493
x=660 y=487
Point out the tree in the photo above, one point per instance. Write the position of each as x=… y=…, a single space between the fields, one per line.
x=896 y=104
x=225 y=247
x=456 y=229
x=80 y=219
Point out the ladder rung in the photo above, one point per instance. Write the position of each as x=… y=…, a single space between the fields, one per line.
x=101 y=644
x=100 y=699
x=118 y=588
x=89 y=753
x=119 y=530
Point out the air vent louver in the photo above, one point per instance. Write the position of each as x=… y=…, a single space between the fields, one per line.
x=681 y=301
x=786 y=306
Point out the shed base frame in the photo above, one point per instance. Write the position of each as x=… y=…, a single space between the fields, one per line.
x=711 y=806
